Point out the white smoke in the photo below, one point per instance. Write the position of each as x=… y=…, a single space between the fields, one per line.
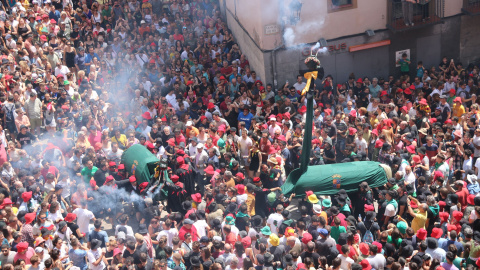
x=291 y=35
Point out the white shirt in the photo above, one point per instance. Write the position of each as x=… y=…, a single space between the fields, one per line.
x=346 y=261
x=274 y=221
x=477 y=165
x=93 y=255
x=361 y=145
x=244 y=144
x=201 y=226
x=410 y=178
x=476 y=142
x=390 y=210
x=83 y=218
x=169 y=234
x=299 y=86
x=467 y=165
x=129 y=230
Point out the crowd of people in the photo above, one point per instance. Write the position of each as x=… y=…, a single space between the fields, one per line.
x=83 y=81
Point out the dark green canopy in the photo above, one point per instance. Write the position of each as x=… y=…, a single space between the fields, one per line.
x=328 y=179
x=140 y=162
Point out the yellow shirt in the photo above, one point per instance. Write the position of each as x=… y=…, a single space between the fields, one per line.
x=419 y=221
x=250 y=204
x=122 y=140
x=458 y=111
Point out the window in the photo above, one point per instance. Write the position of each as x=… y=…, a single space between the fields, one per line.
x=340 y=5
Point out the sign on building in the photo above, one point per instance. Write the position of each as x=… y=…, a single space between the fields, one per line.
x=272 y=29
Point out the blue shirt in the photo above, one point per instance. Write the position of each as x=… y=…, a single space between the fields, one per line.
x=77 y=256
x=89 y=58
x=245 y=118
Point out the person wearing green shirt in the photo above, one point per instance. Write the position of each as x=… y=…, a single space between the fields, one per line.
x=404 y=64
x=336 y=230
x=88 y=172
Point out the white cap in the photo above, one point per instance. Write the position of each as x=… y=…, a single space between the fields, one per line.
x=142 y=21
x=38 y=249
x=189 y=123
x=200 y=145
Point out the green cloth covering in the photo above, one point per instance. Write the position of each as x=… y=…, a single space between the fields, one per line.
x=328 y=179
x=140 y=162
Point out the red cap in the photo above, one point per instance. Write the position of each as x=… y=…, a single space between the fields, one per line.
x=286 y=115
x=240 y=189
x=359 y=80
x=43 y=38
x=368 y=207
x=411 y=149
x=437 y=174
x=29 y=218
x=451 y=227
x=210 y=106
x=405 y=108
x=180 y=160
x=240 y=175
x=209 y=170
x=109 y=179
x=383 y=93
x=437 y=233
x=364 y=249
x=70 y=217
x=53 y=21
x=458 y=99
x=171 y=141
x=443 y=215
x=222 y=78
x=307 y=237
x=189 y=83
x=378 y=144
x=256 y=179
x=197 y=197
x=246 y=242
x=143 y=185
x=379 y=245
x=422 y=234
x=121 y=166
x=407 y=91
x=22 y=246
x=452 y=91
x=146 y=115
x=112 y=163
x=203 y=117
x=449 y=121
x=93 y=183
x=132 y=179
x=432 y=120
x=302 y=110
x=365 y=264
x=174 y=178
x=26 y=196
x=457 y=215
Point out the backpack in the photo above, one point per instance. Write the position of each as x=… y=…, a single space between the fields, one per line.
x=9 y=113
x=368 y=237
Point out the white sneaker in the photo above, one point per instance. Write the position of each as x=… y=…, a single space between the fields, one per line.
x=411 y=24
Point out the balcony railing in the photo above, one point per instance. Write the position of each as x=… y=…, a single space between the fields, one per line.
x=471 y=7
x=403 y=16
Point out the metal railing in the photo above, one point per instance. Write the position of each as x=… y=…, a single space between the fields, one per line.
x=471 y=7
x=406 y=15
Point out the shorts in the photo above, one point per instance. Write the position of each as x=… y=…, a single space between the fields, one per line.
x=35 y=123
x=244 y=162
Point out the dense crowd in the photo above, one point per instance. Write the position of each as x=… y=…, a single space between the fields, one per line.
x=83 y=81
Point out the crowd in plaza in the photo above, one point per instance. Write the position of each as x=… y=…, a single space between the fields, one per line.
x=83 y=81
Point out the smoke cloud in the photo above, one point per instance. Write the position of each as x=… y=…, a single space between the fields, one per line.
x=291 y=35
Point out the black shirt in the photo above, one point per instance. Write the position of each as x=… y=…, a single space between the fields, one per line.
x=25 y=139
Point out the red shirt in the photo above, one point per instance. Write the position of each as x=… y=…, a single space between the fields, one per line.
x=462 y=197
x=192 y=231
x=51 y=170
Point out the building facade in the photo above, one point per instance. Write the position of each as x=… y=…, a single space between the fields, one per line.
x=360 y=36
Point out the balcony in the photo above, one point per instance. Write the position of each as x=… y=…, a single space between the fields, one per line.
x=403 y=16
x=471 y=7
